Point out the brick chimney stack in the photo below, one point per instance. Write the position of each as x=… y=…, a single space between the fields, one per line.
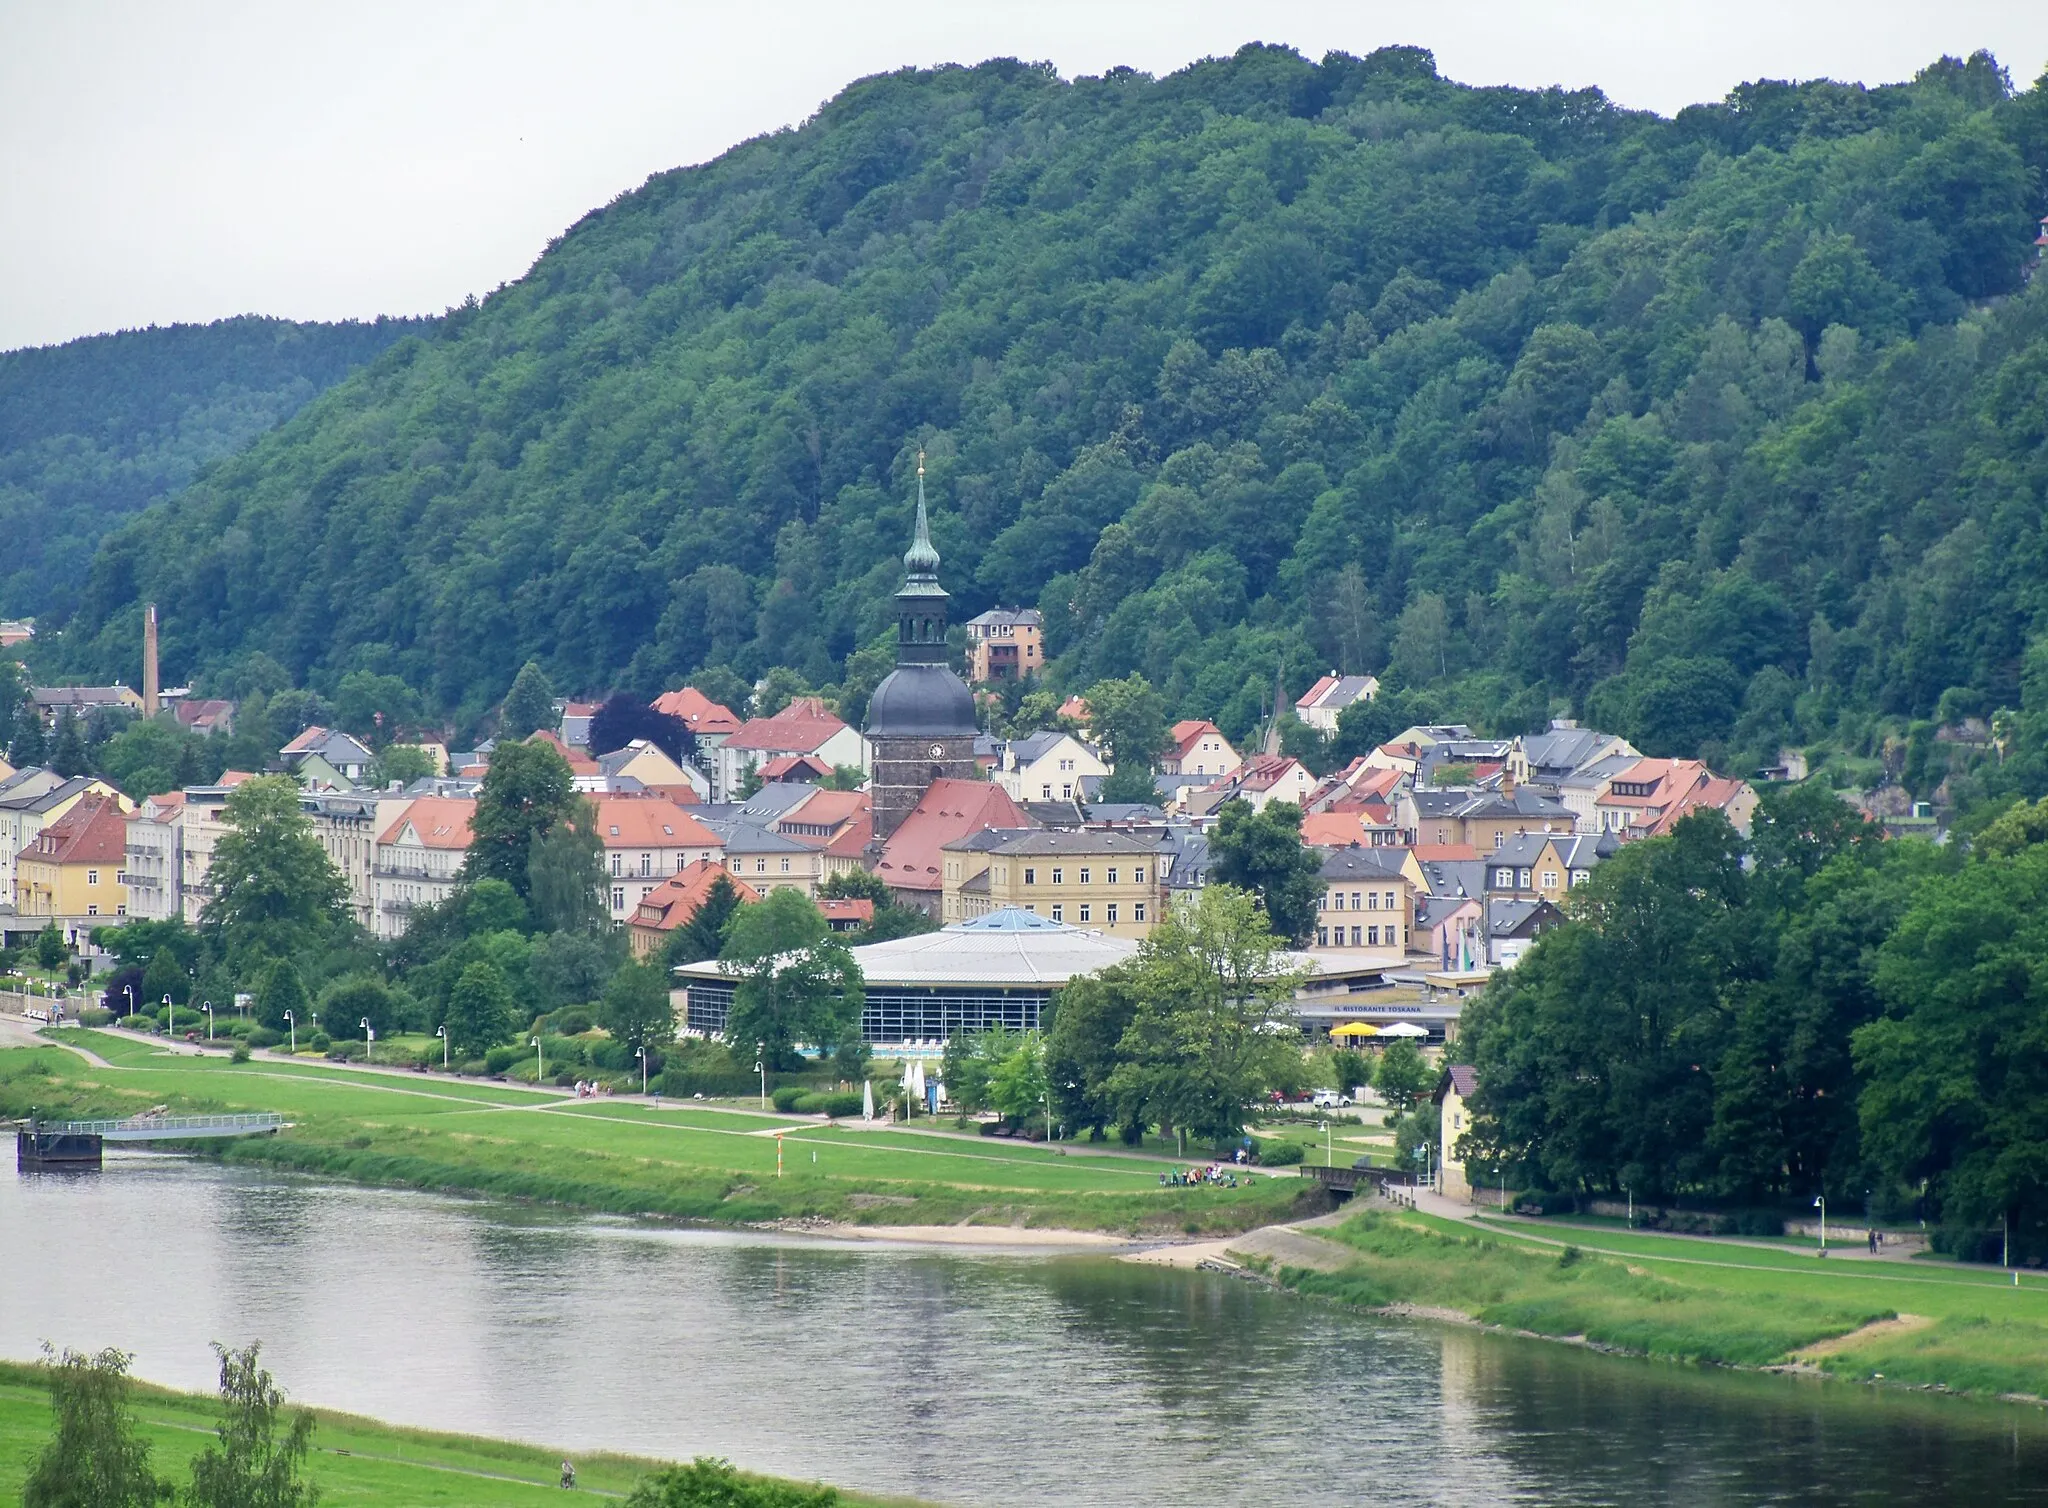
x=150 y=701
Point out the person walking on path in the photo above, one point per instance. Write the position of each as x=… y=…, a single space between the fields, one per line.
x=568 y=1473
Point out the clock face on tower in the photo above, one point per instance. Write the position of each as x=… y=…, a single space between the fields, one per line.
x=938 y=751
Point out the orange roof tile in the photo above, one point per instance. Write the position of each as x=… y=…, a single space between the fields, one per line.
x=699 y=713
x=948 y=811
x=649 y=822
x=676 y=899
x=802 y=727
x=439 y=821
x=1444 y=852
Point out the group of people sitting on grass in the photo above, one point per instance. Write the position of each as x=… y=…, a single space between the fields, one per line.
x=1216 y=1173
x=591 y=1089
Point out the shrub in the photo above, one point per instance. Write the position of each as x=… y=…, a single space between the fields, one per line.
x=1280 y=1154
x=319 y=1041
x=474 y=1068
x=615 y=1056
x=498 y=1059
x=263 y=1036
x=347 y=1052
x=94 y=1015
x=841 y=1103
x=140 y=1023
x=572 y=1021
x=785 y=1099
x=240 y=1054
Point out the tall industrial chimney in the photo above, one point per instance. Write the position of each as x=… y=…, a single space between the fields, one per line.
x=149 y=683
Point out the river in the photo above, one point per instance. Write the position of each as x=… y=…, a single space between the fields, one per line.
x=974 y=1379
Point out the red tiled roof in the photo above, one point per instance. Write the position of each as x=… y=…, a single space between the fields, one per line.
x=580 y=763
x=1308 y=697
x=643 y=822
x=828 y=809
x=699 y=713
x=948 y=811
x=862 y=911
x=803 y=727
x=440 y=821
x=1444 y=852
x=676 y=899
x=1262 y=772
x=1334 y=829
x=853 y=839
x=795 y=766
x=304 y=742
x=1715 y=791
x=94 y=831
x=1189 y=732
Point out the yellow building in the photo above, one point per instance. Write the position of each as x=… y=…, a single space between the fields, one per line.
x=1091 y=878
x=72 y=868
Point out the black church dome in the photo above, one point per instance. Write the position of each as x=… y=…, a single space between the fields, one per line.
x=921 y=699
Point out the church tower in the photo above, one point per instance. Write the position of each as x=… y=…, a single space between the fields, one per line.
x=921 y=718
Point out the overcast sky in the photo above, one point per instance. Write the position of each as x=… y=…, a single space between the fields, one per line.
x=165 y=161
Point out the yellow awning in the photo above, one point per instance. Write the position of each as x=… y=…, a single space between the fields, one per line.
x=1354 y=1029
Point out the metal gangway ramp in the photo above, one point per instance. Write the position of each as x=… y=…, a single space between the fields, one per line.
x=75 y=1143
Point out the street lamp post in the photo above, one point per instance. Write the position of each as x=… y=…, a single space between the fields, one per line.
x=1329 y=1153
x=369 y=1040
x=761 y=1067
x=641 y=1054
x=442 y=1033
x=170 y=1017
x=538 y=1066
x=129 y=991
x=1047 y=1098
x=207 y=1006
x=292 y=1025
x=1821 y=1204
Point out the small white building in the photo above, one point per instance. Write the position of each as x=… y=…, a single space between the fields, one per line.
x=646 y=840
x=154 y=859
x=1322 y=704
x=805 y=726
x=418 y=860
x=1047 y=766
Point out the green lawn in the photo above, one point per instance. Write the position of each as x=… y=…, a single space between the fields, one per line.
x=623 y=1155
x=1704 y=1300
x=356 y=1461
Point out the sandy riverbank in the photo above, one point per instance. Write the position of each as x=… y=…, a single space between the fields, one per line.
x=1036 y=1238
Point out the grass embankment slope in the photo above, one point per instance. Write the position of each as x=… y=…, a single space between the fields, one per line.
x=624 y=1156
x=1969 y=1330
x=355 y=1461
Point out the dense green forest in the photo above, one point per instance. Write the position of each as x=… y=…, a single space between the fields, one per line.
x=1726 y=430
x=1810 y=1012
x=94 y=430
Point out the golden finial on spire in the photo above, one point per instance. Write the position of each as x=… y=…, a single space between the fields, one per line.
x=920 y=463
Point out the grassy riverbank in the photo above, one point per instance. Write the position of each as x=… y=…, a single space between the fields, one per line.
x=1914 y=1323
x=356 y=1462
x=627 y=1157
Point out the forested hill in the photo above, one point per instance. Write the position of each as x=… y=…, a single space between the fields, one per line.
x=94 y=430
x=1725 y=429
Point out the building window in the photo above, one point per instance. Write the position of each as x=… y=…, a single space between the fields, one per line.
x=1138 y=876
x=1032 y=907
x=92 y=877
x=1112 y=874
x=1085 y=872
x=1059 y=875
x=1066 y=793
x=1355 y=899
x=647 y=864
x=615 y=863
x=1058 y=912
x=92 y=911
x=1550 y=879
x=1503 y=879
x=618 y=897
x=1356 y=934
x=1086 y=911
x=760 y=866
x=1045 y=791
x=1111 y=917
x=1521 y=879
x=1030 y=875
x=1372 y=936
x=1138 y=912
x=1336 y=901
x=1322 y=937
x=785 y=866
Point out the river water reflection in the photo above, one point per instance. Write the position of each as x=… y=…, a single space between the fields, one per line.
x=970 y=1379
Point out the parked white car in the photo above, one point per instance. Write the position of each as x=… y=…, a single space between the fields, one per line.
x=1327 y=1099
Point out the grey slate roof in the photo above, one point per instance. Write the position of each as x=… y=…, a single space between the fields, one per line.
x=1082 y=843
x=1361 y=862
